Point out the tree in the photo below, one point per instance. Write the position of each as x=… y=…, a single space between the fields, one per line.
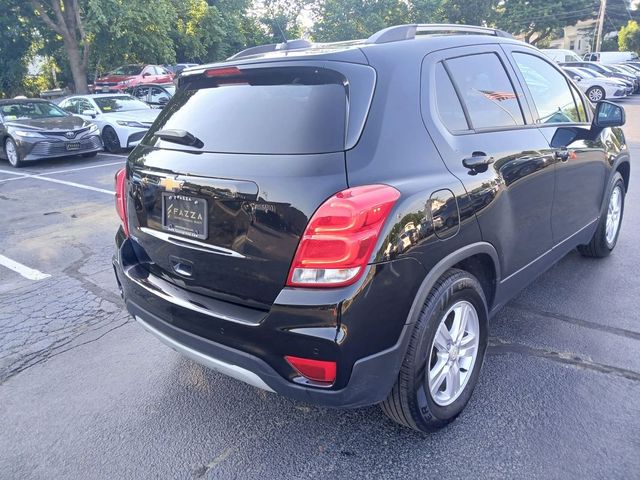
x=629 y=37
x=64 y=18
x=351 y=19
x=537 y=21
x=132 y=31
x=470 y=12
x=281 y=18
x=15 y=42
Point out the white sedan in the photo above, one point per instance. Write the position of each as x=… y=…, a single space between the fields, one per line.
x=597 y=87
x=122 y=119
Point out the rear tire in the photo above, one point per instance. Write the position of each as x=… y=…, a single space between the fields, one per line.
x=606 y=237
x=12 y=153
x=425 y=396
x=111 y=140
x=595 y=94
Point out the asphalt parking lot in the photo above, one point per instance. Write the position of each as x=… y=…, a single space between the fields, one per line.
x=86 y=393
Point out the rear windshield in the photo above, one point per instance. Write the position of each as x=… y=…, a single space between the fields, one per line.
x=287 y=110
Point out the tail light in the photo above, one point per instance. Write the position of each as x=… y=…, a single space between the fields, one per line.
x=316 y=370
x=121 y=199
x=338 y=242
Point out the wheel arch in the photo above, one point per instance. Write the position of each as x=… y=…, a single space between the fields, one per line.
x=480 y=259
x=624 y=168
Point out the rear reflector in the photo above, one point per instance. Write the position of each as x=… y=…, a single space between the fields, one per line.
x=316 y=370
x=340 y=238
x=121 y=202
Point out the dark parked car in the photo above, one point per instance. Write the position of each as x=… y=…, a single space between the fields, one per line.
x=33 y=129
x=270 y=216
x=154 y=95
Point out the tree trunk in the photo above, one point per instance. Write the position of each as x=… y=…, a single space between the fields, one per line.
x=77 y=66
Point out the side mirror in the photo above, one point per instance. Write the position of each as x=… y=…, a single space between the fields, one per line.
x=146 y=74
x=163 y=100
x=608 y=115
x=90 y=113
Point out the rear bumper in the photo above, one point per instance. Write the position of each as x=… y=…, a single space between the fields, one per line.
x=367 y=340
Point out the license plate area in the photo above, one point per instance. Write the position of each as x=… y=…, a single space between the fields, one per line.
x=185 y=215
x=73 y=146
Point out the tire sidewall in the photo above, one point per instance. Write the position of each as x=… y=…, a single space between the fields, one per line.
x=593 y=89
x=6 y=142
x=617 y=181
x=463 y=288
x=111 y=131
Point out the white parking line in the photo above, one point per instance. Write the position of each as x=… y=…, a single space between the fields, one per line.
x=23 y=270
x=73 y=184
x=81 y=168
x=105 y=154
x=41 y=176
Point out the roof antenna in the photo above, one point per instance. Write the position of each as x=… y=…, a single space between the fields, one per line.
x=284 y=37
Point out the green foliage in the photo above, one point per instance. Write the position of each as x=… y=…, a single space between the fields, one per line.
x=351 y=19
x=629 y=37
x=129 y=31
x=15 y=42
x=539 y=20
x=471 y=12
x=609 y=44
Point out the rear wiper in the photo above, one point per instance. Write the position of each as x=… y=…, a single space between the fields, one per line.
x=179 y=136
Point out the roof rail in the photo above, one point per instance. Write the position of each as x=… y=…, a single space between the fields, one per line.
x=409 y=32
x=272 y=47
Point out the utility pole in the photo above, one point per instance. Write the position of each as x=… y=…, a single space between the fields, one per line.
x=600 y=26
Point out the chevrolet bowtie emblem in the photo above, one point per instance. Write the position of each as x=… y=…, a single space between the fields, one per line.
x=170 y=184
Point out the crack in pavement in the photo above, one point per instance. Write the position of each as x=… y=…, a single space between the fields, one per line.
x=498 y=346
x=630 y=334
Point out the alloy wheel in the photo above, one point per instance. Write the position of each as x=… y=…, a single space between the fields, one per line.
x=12 y=153
x=596 y=94
x=453 y=353
x=614 y=215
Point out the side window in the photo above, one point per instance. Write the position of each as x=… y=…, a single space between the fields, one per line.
x=141 y=93
x=158 y=95
x=486 y=91
x=83 y=106
x=70 y=105
x=550 y=90
x=582 y=112
x=448 y=103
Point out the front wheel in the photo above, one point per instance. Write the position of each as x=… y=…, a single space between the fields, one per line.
x=444 y=356
x=111 y=140
x=606 y=237
x=12 y=153
x=596 y=94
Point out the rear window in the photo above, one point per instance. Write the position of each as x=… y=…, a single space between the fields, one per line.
x=286 y=110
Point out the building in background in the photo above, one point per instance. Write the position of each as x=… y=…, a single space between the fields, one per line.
x=578 y=37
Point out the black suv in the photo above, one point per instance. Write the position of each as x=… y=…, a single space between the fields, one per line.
x=338 y=222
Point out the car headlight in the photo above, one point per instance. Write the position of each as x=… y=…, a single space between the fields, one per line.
x=27 y=133
x=93 y=128
x=130 y=123
x=123 y=82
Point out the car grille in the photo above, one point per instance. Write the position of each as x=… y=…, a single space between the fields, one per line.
x=106 y=84
x=46 y=147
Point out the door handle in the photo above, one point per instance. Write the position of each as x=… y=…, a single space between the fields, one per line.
x=478 y=161
x=562 y=155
